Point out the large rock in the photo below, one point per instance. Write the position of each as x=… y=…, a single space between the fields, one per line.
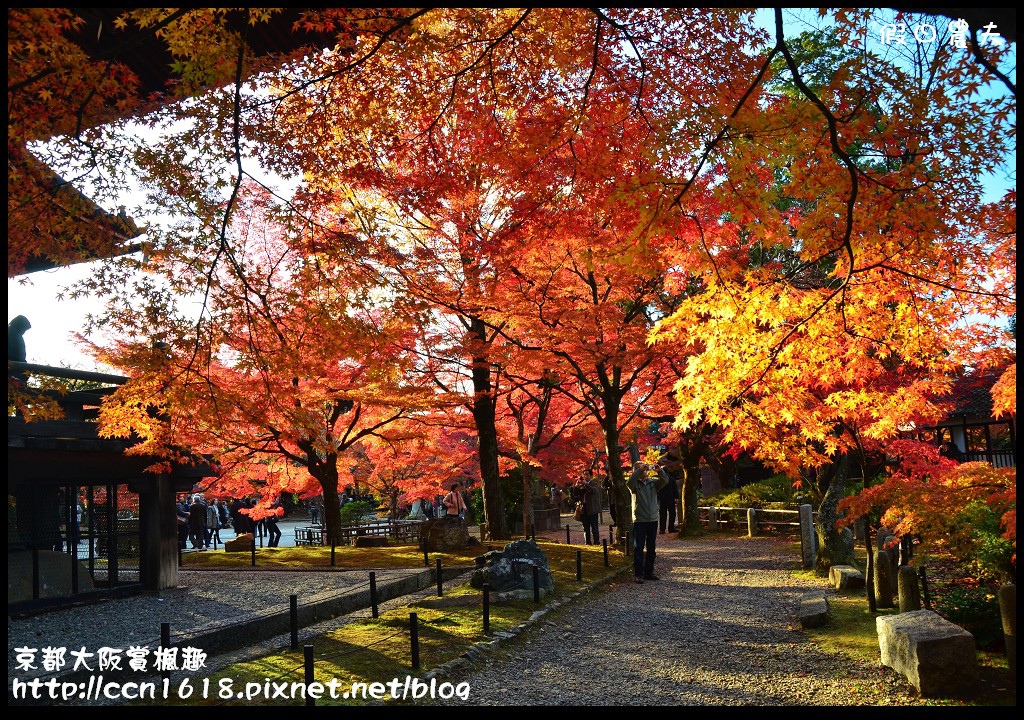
x=242 y=543
x=440 y=534
x=935 y=655
x=509 y=572
x=369 y=541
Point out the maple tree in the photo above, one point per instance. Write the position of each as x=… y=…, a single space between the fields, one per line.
x=927 y=495
x=289 y=368
x=548 y=436
x=496 y=170
x=416 y=459
x=856 y=322
x=457 y=184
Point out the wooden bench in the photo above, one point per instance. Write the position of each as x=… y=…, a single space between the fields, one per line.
x=402 y=531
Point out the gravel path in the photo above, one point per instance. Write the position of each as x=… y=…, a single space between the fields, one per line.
x=719 y=628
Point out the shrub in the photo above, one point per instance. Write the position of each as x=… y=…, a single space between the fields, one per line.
x=776 y=489
x=976 y=610
x=989 y=555
x=354 y=511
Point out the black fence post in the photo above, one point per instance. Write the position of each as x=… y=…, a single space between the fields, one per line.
x=334 y=547
x=440 y=577
x=604 y=544
x=373 y=593
x=568 y=541
x=414 y=639
x=579 y=565
x=75 y=588
x=293 y=606
x=35 y=573
x=307 y=661
x=536 y=584
x=254 y=551
x=487 y=609
x=426 y=560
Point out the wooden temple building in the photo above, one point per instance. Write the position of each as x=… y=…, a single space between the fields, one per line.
x=85 y=520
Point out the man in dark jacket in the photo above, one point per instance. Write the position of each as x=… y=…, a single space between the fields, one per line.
x=197 y=523
x=644 y=489
x=668 y=498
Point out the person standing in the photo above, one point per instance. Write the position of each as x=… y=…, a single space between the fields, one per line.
x=668 y=498
x=181 y=508
x=197 y=523
x=212 y=523
x=270 y=522
x=316 y=510
x=589 y=493
x=225 y=516
x=454 y=504
x=609 y=489
x=644 y=482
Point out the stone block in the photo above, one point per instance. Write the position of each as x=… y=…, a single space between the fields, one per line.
x=936 y=656
x=1008 y=612
x=845 y=577
x=885 y=582
x=813 y=610
x=511 y=570
x=909 y=595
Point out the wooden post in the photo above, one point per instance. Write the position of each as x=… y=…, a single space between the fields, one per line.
x=414 y=640
x=293 y=607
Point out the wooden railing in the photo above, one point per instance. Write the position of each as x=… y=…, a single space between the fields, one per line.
x=737 y=517
x=405 y=532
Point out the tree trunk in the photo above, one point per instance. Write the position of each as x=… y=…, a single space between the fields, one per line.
x=683 y=461
x=332 y=505
x=689 y=515
x=623 y=502
x=487 y=435
x=835 y=545
x=527 y=474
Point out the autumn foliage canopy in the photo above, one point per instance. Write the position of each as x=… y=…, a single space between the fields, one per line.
x=514 y=238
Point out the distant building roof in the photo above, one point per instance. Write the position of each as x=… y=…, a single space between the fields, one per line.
x=971 y=396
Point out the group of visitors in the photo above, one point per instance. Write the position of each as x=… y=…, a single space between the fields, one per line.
x=200 y=521
x=454 y=504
